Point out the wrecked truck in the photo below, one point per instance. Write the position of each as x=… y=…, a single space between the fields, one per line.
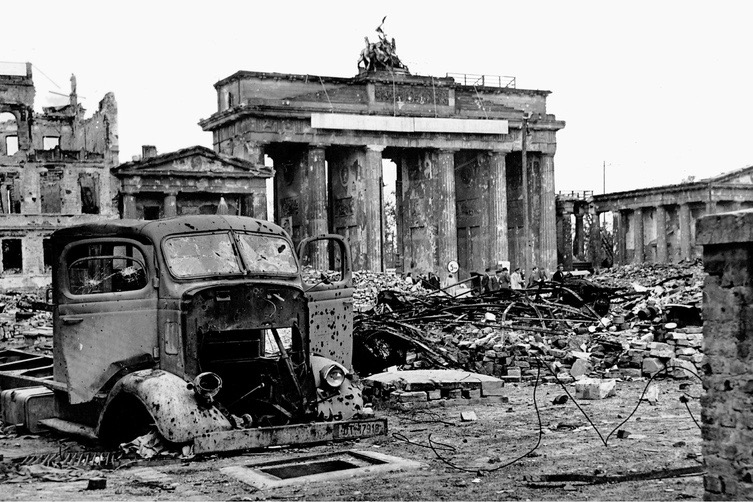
x=205 y=327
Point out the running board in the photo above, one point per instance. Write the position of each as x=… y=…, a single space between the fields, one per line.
x=262 y=437
x=71 y=428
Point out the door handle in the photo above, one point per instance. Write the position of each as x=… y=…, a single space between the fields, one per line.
x=72 y=320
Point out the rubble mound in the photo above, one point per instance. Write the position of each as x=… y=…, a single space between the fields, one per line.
x=629 y=322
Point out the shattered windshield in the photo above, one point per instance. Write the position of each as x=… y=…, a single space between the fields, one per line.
x=265 y=253
x=201 y=255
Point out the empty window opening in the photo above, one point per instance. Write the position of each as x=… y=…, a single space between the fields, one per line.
x=11 y=145
x=151 y=212
x=50 y=191
x=89 y=184
x=10 y=193
x=50 y=142
x=8 y=134
x=47 y=254
x=12 y=258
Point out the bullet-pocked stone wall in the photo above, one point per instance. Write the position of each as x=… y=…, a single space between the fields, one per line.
x=727 y=416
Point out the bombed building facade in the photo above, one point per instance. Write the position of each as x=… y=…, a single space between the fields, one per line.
x=54 y=172
x=463 y=199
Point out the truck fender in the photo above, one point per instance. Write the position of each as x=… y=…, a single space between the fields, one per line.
x=173 y=407
x=344 y=403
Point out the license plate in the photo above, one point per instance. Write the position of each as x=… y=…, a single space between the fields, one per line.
x=360 y=429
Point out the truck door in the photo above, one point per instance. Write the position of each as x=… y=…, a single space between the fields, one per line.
x=327 y=281
x=106 y=315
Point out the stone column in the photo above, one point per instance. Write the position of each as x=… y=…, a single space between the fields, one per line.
x=317 y=191
x=684 y=230
x=170 y=205
x=618 y=227
x=579 y=237
x=317 y=203
x=564 y=235
x=594 y=239
x=447 y=231
x=548 y=224
x=638 y=253
x=727 y=368
x=661 y=234
x=373 y=207
x=129 y=206
x=498 y=201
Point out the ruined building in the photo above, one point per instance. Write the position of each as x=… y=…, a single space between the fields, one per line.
x=459 y=146
x=193 y=180
x=54 y=172
x=654 y=225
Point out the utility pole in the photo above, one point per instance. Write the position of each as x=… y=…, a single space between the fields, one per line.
x=524 y=181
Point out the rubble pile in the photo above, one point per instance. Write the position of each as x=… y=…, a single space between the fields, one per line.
x=25 y=323
x=369 y=284
x=631 y=322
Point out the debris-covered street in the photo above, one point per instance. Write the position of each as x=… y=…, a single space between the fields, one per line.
x=565 y=421
x=659 y=437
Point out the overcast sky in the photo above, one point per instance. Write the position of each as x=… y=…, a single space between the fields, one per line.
x=658 y=90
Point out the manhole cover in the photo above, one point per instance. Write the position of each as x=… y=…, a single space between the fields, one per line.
x=314 y=468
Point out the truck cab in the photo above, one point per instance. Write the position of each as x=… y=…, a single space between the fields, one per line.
x=206 y=327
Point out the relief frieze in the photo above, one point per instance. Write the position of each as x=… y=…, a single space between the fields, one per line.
x=412 y=95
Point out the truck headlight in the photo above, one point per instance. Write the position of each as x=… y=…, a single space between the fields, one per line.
x=333 y=375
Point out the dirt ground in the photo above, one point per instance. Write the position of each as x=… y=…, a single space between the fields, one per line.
x=661 y=436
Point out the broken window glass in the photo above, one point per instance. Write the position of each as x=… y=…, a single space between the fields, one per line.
x=105 y=268
x=201 y=255
x=264 y=253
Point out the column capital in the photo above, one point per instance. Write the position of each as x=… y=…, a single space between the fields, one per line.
x=322 y=146
x=375 y=148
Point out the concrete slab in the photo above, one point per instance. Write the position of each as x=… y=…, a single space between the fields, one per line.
x=423 y=379
x=327 y=467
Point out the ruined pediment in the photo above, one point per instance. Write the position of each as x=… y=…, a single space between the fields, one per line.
x=193 y=160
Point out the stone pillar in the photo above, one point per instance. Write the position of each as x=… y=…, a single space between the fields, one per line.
x=498 y=201
x=619 y=230
x=548 y=224
x=447 y=232
x=638 y=252
x=594 y=239
x=727 y=372
x=564 y=233
x=316 y=214
x=170 y=205
x=129 y=206
x=579 y=237
x=684 y=230
x=372 y=186
x=661 y=234
x=317 y=192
